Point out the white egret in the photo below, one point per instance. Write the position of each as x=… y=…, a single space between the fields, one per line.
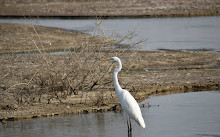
x=127 y=101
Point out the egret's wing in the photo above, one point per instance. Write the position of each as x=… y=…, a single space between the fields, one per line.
x=131 y=107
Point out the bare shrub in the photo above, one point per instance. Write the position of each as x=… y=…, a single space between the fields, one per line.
x=39 y=78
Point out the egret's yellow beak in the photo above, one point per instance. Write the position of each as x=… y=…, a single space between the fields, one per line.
x=105 y=59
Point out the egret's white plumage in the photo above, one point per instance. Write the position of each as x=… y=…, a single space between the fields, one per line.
x=128 y=103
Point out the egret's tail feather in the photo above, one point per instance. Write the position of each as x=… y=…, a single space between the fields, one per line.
x=142 y=123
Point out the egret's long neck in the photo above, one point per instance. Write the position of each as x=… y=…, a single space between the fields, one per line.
x=115 y=76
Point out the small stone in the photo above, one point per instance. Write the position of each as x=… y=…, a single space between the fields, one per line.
x=15 y=106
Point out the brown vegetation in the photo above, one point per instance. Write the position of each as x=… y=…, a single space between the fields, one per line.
x=109 y=8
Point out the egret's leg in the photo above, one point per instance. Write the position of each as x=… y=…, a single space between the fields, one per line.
x=129 y=127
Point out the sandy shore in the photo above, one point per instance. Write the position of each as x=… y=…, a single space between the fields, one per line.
x=109 y=8
x=42 y=84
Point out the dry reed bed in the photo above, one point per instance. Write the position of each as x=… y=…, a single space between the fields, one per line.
x=109 y=8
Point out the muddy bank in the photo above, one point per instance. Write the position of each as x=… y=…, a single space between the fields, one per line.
x=34 y=85
x=109 y=8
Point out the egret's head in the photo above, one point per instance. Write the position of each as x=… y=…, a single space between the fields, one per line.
x=111 y=59
x=116 y=59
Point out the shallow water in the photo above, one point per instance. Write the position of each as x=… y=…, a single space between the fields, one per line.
x=195 y=33
x=180 y=115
